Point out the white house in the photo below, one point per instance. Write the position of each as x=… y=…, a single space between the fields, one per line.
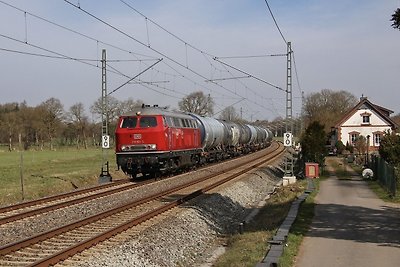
x=366 y=119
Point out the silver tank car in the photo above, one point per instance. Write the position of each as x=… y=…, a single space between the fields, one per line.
x=253 y=134
x=211 y=131
x=270 y=135
x=245 y=134
x=231 y=133
x=261 y=135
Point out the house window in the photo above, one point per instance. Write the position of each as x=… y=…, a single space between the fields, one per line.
x=366 y=118
x=377 y=139
x=353 y=138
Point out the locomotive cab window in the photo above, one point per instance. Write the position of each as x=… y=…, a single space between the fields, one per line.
x=146 y=122
x=129 y=122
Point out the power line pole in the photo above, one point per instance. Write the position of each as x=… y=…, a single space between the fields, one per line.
x=288 y=136
x=289 y=102
x=105 y=174
x=303 y=102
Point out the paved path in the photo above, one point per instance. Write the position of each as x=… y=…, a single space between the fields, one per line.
x=351 y=227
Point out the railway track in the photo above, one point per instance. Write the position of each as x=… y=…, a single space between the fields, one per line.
x=58 y=244
x=43 y=205
x=40 y=206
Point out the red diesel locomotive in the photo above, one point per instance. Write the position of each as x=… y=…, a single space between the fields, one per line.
x=153 y=140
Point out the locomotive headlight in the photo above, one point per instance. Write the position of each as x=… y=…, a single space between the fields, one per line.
x=124 y=148
x=152 y=147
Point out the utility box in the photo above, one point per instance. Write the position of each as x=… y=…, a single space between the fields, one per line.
x=312 y=170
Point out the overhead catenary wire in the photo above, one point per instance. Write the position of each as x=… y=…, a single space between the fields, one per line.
x=253 y=56
x=276 y=24
x=62 y=56
x=137 y=75
x=74 y=31
x=286 y=43
x=192 y=46
x=164 y=29
x=98 y=41
x=58 y=54
x=259 y=79
x=140 y=42
x=274 y=110
x=184 y=65
x=297 y=76
x=149 y=47
x=65 y=57
x=150 y=83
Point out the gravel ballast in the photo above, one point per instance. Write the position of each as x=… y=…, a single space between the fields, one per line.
x=190 y=235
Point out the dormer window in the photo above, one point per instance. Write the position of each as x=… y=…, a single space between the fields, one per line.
x=366 y=118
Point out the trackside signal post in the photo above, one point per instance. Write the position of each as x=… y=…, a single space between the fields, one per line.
x=105 y=138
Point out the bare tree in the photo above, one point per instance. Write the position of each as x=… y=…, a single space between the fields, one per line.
x=9 y=123
x=113 y=108
x=129 y=105
x=229 y=114
x=80 y=121
x=197 y=103
x=327 y=107
x=396 y=119
x=53 y=115
x=33 y=127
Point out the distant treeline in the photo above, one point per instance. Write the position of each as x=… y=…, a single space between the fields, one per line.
x=48 y=125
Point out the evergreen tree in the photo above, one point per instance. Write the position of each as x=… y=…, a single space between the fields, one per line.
x=389 y=148
x=313 y=141
x=396 y=19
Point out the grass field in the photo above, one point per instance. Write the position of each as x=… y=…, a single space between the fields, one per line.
x=50 y=172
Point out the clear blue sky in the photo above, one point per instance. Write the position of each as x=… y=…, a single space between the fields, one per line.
x=338 y=45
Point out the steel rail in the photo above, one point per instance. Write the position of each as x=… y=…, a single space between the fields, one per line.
x=60 y=205
x=60 y=196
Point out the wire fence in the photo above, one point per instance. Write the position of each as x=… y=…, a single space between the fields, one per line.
x=386 y=174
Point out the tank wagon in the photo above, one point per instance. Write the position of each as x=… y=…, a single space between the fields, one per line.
x=153 y=140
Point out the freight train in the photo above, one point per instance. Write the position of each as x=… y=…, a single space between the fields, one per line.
x=153 y=141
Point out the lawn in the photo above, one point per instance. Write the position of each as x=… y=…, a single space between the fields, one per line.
x=50 y=172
